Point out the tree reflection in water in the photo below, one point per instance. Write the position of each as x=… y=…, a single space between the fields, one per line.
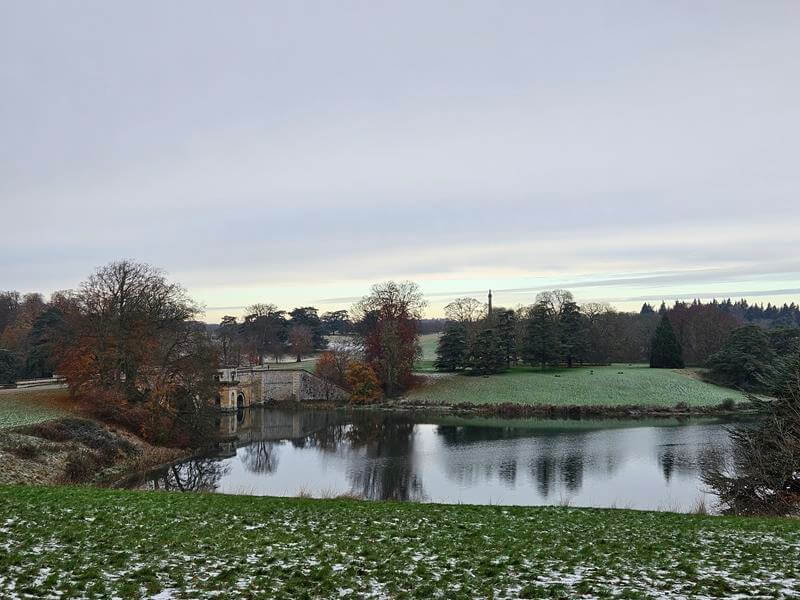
x=388 y=474
x=543 y=469
x=327 y=439
x=260 y=457
x=508 y=470
x=198 y=475
x=677 y=454
x=553 y=459
x=572 y=471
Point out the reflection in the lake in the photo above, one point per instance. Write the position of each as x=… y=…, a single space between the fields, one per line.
x=197 y=475
x=383 y=455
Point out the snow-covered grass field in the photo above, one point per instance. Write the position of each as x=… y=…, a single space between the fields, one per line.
x=615 y=385
x=29 y=406
x=85 y=542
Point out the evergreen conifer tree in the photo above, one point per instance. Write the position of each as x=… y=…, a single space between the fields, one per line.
x=504 y=321
x=744 y=360
x=488 y=353
x=573 y=333
x=541 y=344
x=452 y=351
x=665 y=350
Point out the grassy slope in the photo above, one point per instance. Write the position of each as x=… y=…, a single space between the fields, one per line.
x=29 y=406
x=637 y=384
x=91 y=542
x=428 y=344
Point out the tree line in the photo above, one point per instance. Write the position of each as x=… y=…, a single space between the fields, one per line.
x=555 y=330
x=133 y=350
x=268 y=333
x=131 y=342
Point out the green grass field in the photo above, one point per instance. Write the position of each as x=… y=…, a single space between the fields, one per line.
x=29 y=406
x=428 y=344
x=307 y=364
x=584 y=386
x=86 y=542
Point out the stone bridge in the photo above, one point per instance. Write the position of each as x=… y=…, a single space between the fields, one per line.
x=247 y=386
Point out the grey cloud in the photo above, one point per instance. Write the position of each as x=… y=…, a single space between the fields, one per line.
x=273 y=143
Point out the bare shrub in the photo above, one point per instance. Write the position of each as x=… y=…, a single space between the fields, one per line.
x=700 y=507
x=762 y=476
x=80 y=465
x=22 y=449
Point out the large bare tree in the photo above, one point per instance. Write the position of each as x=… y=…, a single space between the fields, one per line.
x=133 y=336
x=465 y=310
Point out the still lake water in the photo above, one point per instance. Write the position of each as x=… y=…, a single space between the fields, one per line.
x=648 y=464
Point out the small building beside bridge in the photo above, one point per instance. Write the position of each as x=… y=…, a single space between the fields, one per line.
x=241 y=387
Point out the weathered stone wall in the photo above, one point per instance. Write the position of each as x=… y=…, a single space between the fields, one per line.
x=317 y=389
x=262 y=385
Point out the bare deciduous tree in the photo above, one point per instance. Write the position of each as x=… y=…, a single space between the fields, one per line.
x=465 y=310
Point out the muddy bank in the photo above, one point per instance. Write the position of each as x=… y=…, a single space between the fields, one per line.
x=511 y=410
x=75 y=450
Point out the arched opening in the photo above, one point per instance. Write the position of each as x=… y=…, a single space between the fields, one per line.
x=240 y=400
x=217 y=400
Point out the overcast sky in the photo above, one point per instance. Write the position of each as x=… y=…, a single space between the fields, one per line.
x=297 y=152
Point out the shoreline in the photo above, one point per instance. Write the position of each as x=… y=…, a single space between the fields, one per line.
x=571 y=411
x=514 y=410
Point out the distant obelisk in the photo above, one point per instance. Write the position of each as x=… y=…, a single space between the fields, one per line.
x=490 y=304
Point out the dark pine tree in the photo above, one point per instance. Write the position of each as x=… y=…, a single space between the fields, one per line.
x=504 y=321
x=665 y=350
x=745 y=359
x=488 y=353
x=452 y=351
x=784 y=340
x=10 y=366
x=541 y=344
x=573 y=333
x=48 y=327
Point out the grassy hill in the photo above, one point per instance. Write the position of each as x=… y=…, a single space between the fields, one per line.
x=616 y=385
x=86 y=542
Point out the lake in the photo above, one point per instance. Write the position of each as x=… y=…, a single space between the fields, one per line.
x=648 y=464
